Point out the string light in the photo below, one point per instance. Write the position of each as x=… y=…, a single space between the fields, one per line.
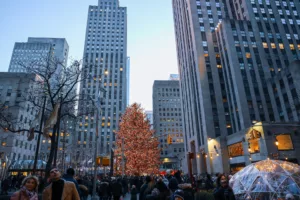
x=276 y=142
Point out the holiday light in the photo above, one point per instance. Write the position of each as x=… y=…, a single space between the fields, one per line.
x=140 y=146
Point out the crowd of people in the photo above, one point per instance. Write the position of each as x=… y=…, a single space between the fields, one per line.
x=169 y=187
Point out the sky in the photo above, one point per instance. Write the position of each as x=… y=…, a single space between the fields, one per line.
x=150 y=46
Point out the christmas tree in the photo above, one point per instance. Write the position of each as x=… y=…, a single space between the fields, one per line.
x=140 y=146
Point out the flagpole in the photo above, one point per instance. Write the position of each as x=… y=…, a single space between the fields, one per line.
x=39 y=137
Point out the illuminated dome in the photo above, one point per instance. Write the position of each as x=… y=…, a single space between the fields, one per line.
x=267 y=179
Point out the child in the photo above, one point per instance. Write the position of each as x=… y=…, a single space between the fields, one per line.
x=133 y=193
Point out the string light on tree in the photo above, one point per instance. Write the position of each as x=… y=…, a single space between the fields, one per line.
x=140 y=146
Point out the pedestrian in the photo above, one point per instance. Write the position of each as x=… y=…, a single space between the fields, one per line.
x=223 y=192
x=5 y=186
x=104 y=191
x=29 y=189
x=116 y=189
x=173 y=184
x=177 y=175
x=163 y=189
x=133 y=193
x=178 y=195
x=208 y=182
x=59 y=188
x=146 y=188
x=69 y=176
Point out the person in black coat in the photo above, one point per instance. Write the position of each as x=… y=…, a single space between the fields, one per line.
x=208 y=182
x=125 y=186
x=163 y=189
x=144 y=188
x=104 y=191
x=177 y=175
x=116 y=189
x=133 y=193
x=223 y=192
x=173 y=184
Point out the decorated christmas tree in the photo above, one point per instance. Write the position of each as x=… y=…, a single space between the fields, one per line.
x=140 y=146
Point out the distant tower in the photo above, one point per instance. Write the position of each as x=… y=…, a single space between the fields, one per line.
x=36 y=49
x=167 y=122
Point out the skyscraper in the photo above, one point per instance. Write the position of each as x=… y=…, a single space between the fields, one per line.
x=105 y=60
x=228 y=56
x=167 y=122
x=36 y=49
x=14 y=88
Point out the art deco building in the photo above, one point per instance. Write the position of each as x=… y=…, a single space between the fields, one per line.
x=105 y=60
x=229 y=56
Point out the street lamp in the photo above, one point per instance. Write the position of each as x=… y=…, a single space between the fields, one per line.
x=98 y=105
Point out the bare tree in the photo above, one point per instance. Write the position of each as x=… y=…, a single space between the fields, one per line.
x=57 y=83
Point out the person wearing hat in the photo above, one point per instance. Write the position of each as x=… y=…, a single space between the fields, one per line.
x=179 y=195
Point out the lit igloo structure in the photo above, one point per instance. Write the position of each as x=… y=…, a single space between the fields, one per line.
x=267 y=179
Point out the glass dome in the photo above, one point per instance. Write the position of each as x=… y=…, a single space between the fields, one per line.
x=267 y=179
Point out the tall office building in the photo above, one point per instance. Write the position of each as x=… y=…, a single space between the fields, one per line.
x=105 y=59
x=14 y=89
x=167 y=122
x=38 y=48
x=228 y=56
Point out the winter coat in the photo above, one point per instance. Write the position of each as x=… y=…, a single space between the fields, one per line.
x=222 y=193
x=116 y=189
x=71 y=179
x=163 y=189
x=133 y=194
x=173 y=184
x=69 y=192
x=187 y=190
x=142 y=191
x=104 y=189
x=21 y=195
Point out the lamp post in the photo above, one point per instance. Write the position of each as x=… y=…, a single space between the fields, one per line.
x=95 y=197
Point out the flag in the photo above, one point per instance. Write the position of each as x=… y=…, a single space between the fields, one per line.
x=51 y=121
x=33 y=124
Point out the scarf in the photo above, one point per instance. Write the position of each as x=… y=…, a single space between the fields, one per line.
x=31 y=194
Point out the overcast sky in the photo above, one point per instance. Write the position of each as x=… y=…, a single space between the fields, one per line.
x=151 y=40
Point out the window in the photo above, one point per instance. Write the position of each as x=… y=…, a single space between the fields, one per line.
x=265 y=45
x=285 y=142
x=235 y=149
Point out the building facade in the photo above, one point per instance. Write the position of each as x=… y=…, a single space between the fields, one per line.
x=13 y=90
x=38 y=49
x=105 y=60
x=167 y=122
x=228 y=56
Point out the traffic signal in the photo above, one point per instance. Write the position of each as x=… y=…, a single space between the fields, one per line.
x=98 y=160
x=169 y=139
x=105 y=162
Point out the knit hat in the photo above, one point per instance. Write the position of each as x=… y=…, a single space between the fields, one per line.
x=179 y=194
